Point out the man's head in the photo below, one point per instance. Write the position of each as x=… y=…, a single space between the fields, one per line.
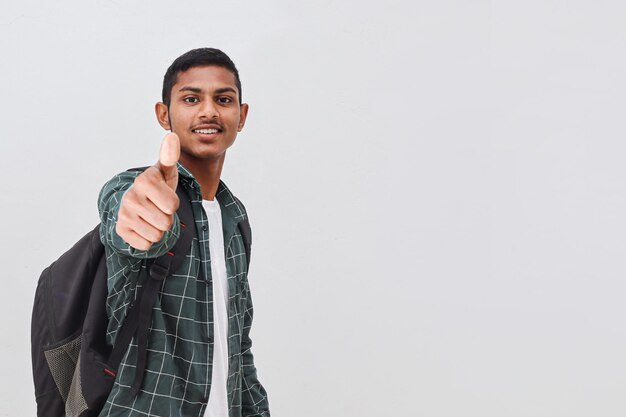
x=197 y=58
x=202 y=105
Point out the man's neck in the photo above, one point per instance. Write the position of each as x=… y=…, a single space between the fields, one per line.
x=207 y=172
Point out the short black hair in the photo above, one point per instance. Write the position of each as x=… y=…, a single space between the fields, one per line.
x=197 y=58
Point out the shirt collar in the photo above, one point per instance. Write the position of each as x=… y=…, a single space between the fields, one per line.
x=231 y=207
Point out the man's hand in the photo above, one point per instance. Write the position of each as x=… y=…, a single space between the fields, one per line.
x=148 y=207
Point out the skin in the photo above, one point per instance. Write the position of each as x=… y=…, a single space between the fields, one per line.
x=202 y=97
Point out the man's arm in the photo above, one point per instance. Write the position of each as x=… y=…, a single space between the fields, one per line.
x=254 y=401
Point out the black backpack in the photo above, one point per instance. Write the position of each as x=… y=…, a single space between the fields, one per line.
x=73 y=366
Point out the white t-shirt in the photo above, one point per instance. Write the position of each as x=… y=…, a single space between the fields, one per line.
x=218 y=402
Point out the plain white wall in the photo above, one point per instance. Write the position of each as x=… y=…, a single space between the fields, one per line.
x=436 y=189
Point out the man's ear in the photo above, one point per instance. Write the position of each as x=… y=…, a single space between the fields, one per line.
x=243 y=113
x=162 y=115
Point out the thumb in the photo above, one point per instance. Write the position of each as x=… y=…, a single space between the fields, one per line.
x=168 y=157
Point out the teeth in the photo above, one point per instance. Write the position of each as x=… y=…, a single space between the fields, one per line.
x=205 y=131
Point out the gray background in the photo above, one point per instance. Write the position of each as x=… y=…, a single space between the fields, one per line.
x=436 y=189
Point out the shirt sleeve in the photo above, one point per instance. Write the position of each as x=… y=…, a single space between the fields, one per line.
x=109 y=202
x=254 y=401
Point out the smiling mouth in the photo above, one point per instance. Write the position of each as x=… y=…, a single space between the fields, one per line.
x=206 y=131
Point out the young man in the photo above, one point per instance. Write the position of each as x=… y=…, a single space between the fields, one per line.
x=199 y=361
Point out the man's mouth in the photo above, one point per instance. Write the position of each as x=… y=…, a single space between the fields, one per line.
x=206 y=131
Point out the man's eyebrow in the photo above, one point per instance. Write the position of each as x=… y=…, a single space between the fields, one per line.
x=217 y=91
x=192 y=89
x=225 y=90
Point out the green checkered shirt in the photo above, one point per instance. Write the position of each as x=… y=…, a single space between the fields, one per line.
x=177 y=380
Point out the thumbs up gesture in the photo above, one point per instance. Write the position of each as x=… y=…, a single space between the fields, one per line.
x=147 y=208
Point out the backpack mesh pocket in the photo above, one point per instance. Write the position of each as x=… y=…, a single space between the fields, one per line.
x=62 y=362
x=75 y=403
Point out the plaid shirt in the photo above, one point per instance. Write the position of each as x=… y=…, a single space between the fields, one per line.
x=177 y=380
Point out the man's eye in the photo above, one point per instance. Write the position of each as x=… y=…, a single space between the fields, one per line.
x=191 y=99
x=225 y=100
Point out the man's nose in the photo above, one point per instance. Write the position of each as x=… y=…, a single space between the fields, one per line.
x=208 y=109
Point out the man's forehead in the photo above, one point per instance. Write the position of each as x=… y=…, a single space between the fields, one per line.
x=203 y=77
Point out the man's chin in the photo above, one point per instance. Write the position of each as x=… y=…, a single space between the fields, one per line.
x=202 y=155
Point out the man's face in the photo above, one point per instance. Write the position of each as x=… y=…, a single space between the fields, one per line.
x=204 y=112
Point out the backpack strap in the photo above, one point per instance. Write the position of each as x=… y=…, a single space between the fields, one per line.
x=246 y=234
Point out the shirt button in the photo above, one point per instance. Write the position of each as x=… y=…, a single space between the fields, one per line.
x=205 y=227
x=209 y=339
